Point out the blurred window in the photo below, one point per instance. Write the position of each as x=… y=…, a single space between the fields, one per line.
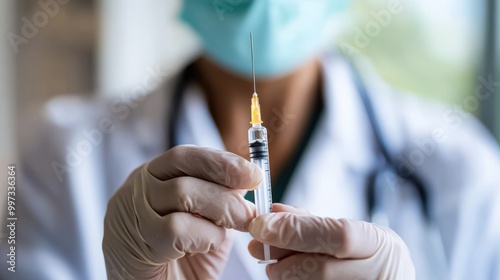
x=432 y=48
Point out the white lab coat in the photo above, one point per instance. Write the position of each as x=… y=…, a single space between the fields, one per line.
x=61 y=222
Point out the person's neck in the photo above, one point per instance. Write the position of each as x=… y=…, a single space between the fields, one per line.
x=286 y=102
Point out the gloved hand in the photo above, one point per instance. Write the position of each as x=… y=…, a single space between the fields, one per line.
x=169 y=219
x=310 y=247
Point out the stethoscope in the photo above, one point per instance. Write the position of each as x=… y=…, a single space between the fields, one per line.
x=375 y=185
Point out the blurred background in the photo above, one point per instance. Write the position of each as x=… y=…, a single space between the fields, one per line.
x=442 y=50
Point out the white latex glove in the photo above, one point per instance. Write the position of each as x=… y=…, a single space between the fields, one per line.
x=310 y=247
x=169 y=219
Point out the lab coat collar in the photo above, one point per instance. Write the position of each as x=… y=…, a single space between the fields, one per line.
x=346 y=121
x=328 y=180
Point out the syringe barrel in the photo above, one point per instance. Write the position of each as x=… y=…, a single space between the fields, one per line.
x=257 y=138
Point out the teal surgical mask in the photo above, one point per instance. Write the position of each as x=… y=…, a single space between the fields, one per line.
x=286 y=32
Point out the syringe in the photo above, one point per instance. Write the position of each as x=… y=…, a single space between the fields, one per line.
x=257 y=138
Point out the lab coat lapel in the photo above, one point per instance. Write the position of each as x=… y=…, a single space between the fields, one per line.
x=196 y=126
x=329 y=180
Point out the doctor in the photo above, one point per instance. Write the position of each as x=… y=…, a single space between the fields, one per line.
x=182 y=214
x=170 y=218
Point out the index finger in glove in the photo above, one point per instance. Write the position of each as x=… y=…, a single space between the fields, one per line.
x=212 y=165
x=310 y=234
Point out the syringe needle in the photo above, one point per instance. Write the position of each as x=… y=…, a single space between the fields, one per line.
x=253 y=64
